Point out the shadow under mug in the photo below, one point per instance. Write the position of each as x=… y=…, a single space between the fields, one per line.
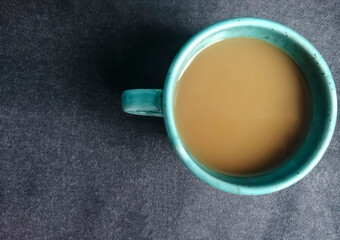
x=155 y=102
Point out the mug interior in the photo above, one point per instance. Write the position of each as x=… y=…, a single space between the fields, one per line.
x=319 y=80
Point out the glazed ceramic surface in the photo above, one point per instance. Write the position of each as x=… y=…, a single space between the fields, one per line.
x=155 y=102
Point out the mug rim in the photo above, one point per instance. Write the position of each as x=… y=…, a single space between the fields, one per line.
x=178 y=146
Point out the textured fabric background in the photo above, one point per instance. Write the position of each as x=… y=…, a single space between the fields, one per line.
x=74 y=166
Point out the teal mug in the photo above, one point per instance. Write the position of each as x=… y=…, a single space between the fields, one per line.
x=159 y=103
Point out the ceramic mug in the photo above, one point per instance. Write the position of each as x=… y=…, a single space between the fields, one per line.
x=155 y=102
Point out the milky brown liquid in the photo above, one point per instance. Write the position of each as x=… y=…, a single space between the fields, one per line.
x=242 y=106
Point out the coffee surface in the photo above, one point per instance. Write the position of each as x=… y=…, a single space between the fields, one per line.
x=242 y=106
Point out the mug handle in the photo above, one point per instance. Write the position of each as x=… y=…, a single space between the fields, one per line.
x=145 y=102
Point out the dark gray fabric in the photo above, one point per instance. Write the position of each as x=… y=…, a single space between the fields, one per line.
x=74 y=166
